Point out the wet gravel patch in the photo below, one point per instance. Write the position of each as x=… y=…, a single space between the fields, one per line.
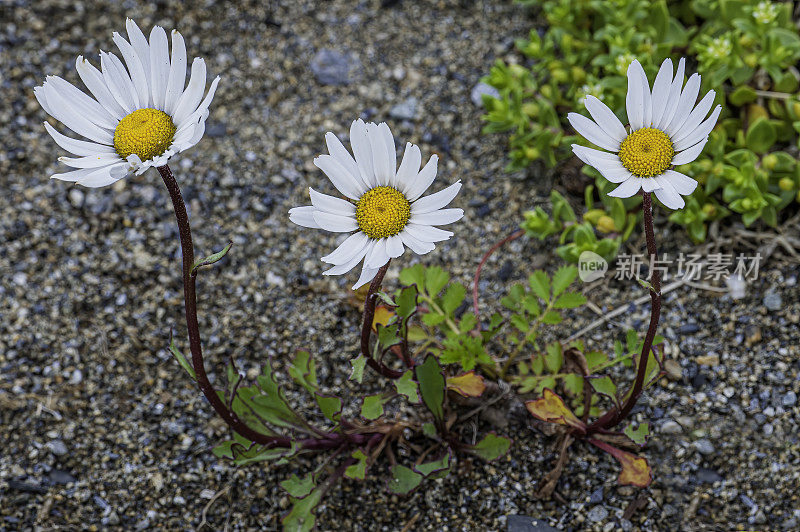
x=100 y=429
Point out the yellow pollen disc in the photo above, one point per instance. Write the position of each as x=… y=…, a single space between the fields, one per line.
x=145 y=132
x=647 y=152
x=382 y=212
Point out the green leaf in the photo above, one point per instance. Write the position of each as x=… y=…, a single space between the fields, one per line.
x=435 y=279
x=404 y=480
x=553 y=357
x=540 y=284
x=564 y=277
x=358 y=363
x=407 y=386
x=432 y=386
x=250 y=453
x=415 y=275
x=330 y=406
x=453 y=297
x=605 y=386
x=435 y=468
x=492 y=447
x=372 y=407
x=551 y=317
x=638 y=435
x=180 y=358
x=761 y=135
x=359 y=469
x=429 y=430
x=569 y=300
x=303 y=371
x=211 y=259
x=742 y=95
x=406 y=302
x=298 y=487
x=271 y=404
x=301 y=517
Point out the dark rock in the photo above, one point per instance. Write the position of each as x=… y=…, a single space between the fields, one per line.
x=332 y=67
x=61 y=477
x=523 y=523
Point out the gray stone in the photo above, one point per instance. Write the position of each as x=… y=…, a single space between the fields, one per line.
x=331 y=67
x=597 y=496
x=671 y=427
x=523 y=523
x=597 y=514
x=405 y=110
x=57 y=447
x=772 y=300
x=704 y=447
x=479 y=90
x=789 y=400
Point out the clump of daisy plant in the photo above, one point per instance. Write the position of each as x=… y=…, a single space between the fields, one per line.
x=667 y=126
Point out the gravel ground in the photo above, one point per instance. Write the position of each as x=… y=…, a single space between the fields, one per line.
x=100 y=429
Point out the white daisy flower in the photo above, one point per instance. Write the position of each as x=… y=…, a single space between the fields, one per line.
x=666 y=129
x=138 y=118
x=384 y=205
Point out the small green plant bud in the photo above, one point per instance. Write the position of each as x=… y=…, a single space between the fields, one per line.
x=751 y=60
x=578 y=74
x=747 y=41
x=530 y=109
x=547 y=92
x=747 y=204
x=709 y=209
x=532 y=153
x=593 y=215
x=559 y=75
x=786 y=184
x=769 y=162
x=517 y=70
x=718 y=169
x=606 y=224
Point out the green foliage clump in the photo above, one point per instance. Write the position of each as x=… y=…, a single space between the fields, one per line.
x=744 y=50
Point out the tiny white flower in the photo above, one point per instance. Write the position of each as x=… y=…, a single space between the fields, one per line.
x=666 y=129
x=139 y=116
x=384 y=208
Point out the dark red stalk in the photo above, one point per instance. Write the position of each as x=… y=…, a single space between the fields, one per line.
x=366 y=327
x=615 y=416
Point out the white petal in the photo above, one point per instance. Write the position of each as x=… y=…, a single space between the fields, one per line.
x=105 y=176
x=695 y=117
x=425 y=177
x=91 y=161
x=362 y=150
x=441 y=217
x=135 y=69
x=592 y=132
x=689 y=154
x=88 y=107
x=73 y=119
x=339 y=176
x=436 y=201
x=187 y=104
x=427 y=233
x=77 y=147
x=378 y=256
x=416 y=245
x=588 y=155
x=367 y=274
x=650 y=184
x=119 y=82
x=334 y=222
x=384 y=159
x=674 y=96
x=96 y=84
x=159 y=66
x=661 y=87
x=685 y=104
x=348 y=249
x=605 y=118
x=614 y=171
x=139 y=43
x=700 y=132
x=635 y=98
x=325 y=203
x=74 y=175
x=683 y=184
x=177 y=73
x=669 y=196
x=394 y=246
x=628 y=188
x=409 y=167
x=343 y=157
x=349 y=265
x=201 y=113
x=304 y=217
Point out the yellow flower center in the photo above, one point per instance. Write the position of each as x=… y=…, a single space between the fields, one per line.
x=382 y=212
x=647 y=152
x=145 y=132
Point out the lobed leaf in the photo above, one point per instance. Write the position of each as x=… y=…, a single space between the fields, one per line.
x=491 y=447
x=551 y=408
x=407 y=386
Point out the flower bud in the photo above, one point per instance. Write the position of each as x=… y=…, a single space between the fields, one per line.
x=606 y=224
x=786 y=184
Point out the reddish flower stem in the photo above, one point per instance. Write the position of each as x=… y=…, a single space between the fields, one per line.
x=615 y=415
x=366 y=327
